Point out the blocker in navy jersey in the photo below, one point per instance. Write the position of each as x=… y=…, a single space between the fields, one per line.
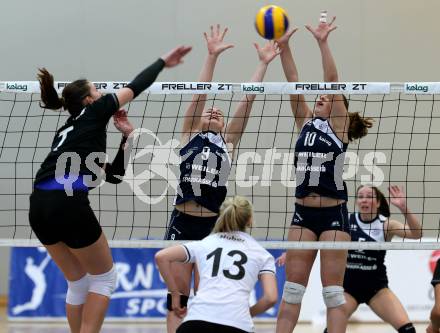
x=80 y=136
x=204 y=171
x=319 y=161
x=366 y=272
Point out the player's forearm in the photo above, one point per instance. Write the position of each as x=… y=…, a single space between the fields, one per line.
x=289 y=66
x=328 y=63
x=261 y=306
x=413 y=224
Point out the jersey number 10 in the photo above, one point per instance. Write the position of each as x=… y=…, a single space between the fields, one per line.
x=310 y=139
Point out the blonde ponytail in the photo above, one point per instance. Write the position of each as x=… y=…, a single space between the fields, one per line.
x=235 y=215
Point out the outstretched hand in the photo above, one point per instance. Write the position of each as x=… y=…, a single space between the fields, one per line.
x=284 y=39
x=175 y=56
x=214 y=41
x=322 y=31
x=398 y=197
x=268 y=52
x=121 y=122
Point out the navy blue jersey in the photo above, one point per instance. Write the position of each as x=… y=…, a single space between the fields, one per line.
x=319 y=161
x=204 y=171
x=368 y=263
x=80 y=136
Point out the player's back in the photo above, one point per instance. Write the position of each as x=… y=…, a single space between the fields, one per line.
x=229 y=265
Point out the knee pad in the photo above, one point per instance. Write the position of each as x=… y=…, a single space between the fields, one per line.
x=77 y=291
x=183 y=301
x=103 y=284
x=293 y=292
x=407 y=328
x=333 y=296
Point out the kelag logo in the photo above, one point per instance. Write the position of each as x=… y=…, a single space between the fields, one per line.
x=253 y=88
x=13 y=86
x=416 y=87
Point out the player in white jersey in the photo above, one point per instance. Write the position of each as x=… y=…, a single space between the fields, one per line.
x=230 y=262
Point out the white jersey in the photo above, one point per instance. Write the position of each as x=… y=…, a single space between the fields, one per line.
x=229 y=265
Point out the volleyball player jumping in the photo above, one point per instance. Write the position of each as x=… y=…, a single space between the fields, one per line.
x=60 y=214
x=321 y=194
x=206 y=150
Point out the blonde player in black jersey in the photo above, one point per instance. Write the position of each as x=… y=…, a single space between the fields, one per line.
x=230 y=262
x=321 y=194
x=206 y=151
x=60 y=212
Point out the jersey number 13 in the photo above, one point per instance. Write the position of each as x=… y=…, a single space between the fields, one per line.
x=242 y=259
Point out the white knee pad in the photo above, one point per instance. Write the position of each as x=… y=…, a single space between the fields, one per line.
x=77 y=291
x=333 y=296
x=103 y=284
x=293 y=292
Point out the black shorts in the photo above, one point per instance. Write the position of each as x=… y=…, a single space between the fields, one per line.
x=436 y=276
x=363 y=287
x=199 y=326
x=187 y=227
x=322 y=219
x=56 y=217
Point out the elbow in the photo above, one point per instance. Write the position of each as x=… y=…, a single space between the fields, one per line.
x=159 y=257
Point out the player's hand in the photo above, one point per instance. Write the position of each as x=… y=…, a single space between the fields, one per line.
x=214 y=41
x=322 y=31
x=398 y=197
x=268 y=52
x=281 y=260
x=121 y=122
x=284 y=39
x=175 y=56
x=177 y=309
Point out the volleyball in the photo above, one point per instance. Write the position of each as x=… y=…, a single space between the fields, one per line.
x=271 y=22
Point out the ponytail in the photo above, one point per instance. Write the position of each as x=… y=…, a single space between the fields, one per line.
x=235 y=215
x=49 y=95
x=359 y=126
x=72 y=96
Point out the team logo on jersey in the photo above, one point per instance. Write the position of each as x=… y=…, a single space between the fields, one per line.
x=163 y=158
x=335 y=224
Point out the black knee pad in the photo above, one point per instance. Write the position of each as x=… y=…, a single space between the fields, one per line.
x=325 y=330
x=183 y=301
x=407 y=328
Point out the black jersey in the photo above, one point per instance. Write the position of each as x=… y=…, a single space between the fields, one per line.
x=367 y=263
x=78 y=137
x=319 y=161
x=204 y=171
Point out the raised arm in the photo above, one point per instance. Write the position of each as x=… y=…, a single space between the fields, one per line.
x=115 y=171
x=339 y=113
x=299 y=107
x=238 y=123
x=412 y=227
x=144 y=79
x=215 y=46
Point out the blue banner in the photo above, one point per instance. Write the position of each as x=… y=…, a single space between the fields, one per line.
x=38 y=289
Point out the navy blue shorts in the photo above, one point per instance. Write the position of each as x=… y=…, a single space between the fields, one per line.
x=322 y=219
x=56 y=217
x=187 y=227
x=363 y=286
x=199 y=326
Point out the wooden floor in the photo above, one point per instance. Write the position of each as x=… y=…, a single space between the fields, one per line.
x=24 y=327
